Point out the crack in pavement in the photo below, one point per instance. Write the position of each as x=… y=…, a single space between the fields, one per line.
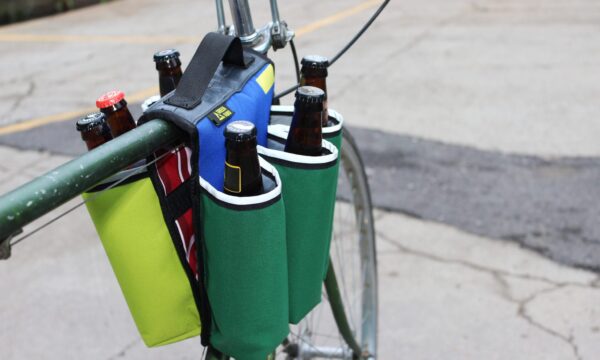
x=522 y=310
x=499 y=277
x=19 y=98
x=522 y=313
x=124 y=350
x=481 y=268
x=505 y=293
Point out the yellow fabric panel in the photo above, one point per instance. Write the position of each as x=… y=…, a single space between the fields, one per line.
x=266 y=79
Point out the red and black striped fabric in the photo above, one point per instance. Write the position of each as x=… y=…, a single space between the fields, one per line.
x=174 y=171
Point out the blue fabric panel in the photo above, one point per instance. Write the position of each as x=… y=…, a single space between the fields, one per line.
x=250 y=104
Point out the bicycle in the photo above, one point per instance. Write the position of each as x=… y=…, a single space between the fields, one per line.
x=349 y=331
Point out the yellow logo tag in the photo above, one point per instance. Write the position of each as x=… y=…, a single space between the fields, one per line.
x=220 y=114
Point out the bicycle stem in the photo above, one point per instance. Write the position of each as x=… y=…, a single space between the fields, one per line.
x=242 y=20
x=47 y=192
x=275 y=33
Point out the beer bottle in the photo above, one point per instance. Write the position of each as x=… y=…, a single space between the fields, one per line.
x=242 y=170
x=305 y=136
x=113 y=105
x=94 y=130
x=169 y=70
x=314 y=73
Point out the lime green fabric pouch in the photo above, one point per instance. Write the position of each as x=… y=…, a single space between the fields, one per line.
x=309 y=191
x=245 y=267
x=147 y=265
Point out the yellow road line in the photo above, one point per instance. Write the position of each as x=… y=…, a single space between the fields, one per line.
x=119 y=39
x=141 y=95
x=45 y=120
x=337 y=17
x=153 y=39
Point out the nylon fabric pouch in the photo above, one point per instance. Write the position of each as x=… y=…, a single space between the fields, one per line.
x=129 y=221
x=246 y=268
x=223 y=83
x=309 y=192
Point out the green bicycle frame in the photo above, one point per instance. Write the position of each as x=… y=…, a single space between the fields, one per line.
x=47 y=192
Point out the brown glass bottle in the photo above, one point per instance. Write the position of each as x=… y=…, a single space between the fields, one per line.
x=169 y=70
x=113 y=105
x=94 y=130
x=305 y=136
x=242 y=169
x=314 y=73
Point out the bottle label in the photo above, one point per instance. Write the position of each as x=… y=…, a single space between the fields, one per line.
x=233 y=178
x=220 y=114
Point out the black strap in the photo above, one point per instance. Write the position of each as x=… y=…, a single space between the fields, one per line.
x=213 y=49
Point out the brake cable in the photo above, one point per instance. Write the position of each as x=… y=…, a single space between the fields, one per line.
x=342 y=51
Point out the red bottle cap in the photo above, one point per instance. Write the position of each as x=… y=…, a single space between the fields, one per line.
x=109 y=99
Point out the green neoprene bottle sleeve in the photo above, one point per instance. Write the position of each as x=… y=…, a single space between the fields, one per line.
x=246 y=269
x=281 y=117
x=309 y=188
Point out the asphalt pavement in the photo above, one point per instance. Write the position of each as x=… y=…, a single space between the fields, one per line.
x=477 y=123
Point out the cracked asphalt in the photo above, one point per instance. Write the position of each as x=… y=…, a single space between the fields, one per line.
x=546 y=312
x=477 y=121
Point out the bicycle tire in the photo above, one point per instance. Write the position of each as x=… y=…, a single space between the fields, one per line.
x=307 y=340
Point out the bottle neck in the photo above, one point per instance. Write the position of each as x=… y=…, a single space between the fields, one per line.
x=171 y=63
x=305 y=136
x=96 y=136
x=321 y=83
x=168 y=79
x=316 y=81
x=118 y=118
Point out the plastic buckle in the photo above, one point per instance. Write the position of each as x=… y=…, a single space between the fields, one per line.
x=5 y=247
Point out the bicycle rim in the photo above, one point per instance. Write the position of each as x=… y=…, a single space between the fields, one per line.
x=353 y=258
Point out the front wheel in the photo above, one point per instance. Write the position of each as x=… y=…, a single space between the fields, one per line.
x=344 y=325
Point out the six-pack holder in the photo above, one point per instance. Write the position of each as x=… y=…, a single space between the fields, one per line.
x=193 y=260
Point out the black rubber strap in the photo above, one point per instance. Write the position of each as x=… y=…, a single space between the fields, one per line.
x=213 y=49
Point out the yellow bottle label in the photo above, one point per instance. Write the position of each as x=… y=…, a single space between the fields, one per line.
x=233 y=172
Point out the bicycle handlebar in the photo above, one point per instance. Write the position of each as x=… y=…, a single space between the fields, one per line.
x=47 y=192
